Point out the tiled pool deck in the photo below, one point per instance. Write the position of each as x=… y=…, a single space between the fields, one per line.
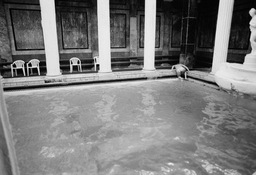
x=39 y=81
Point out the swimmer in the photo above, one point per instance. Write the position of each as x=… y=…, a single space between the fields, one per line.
x=180 y=69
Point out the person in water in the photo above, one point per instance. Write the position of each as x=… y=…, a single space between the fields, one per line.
x=181 y=69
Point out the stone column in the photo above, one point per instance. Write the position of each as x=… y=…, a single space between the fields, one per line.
x=6 y=138
x=150 y=32
x=103 y=14
x=222 y=33
x=50 y=37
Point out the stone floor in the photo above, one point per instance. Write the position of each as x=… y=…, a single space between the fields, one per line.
x=154 y=127
x=69 y=79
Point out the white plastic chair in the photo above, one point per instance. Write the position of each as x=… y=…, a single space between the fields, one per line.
x=18 y=64
x=96 y=61
x=33 y=64
x=75 y=62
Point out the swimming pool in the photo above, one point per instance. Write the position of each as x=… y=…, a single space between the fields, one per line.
x=156 y=127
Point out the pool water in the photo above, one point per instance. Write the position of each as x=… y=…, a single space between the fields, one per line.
x=154 y=127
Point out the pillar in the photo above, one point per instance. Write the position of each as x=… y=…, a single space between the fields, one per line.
x=188 y=35
x=6 y=138
x=104 y=35
x=150 y=32
x=50 y=37
x=222 y=33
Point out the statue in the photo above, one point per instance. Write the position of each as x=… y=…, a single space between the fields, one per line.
x=252 y=23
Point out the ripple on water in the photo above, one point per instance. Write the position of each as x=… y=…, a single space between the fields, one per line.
x=226 y=136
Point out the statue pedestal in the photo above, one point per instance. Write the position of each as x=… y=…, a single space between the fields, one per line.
x=250 y=61
x=238 y=77
x=241 y=77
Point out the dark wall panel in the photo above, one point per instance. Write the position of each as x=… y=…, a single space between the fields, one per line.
x=118 y=30
x=119 y=2
x=141 y=31
x=206 y=33
x=176 y=31
x=240 y=33
x=27 y=29
x=74 y=30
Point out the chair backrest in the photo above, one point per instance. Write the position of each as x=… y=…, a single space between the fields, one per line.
x=75 y=61
x=34 y=62
x=18 y=63
x=96 y=60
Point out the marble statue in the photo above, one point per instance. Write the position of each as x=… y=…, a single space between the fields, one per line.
x=252 y=23
x=241 y=77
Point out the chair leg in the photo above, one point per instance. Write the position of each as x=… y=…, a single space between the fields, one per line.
x=80 y=68
x=95 y=67
x=71 y=69
x=24 y=71
x=38 y=69
x=12 y=72
x=27 y=71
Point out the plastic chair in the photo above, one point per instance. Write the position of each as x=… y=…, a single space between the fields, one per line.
x=32 y=64
x=96 y=61
x=75 y=62
x=18 y=64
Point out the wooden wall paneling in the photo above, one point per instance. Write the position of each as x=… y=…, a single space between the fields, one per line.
x=175 y=31
x=119 y=4
x=240 y=33
x=118 y=29
x=25 y=2
x=206 y=30
x=74 y=27
x=27 y=29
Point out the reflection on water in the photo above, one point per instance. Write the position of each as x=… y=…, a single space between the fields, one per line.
x=225 y=145
x=150 y=128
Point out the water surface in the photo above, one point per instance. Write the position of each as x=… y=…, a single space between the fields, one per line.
x=158 y=127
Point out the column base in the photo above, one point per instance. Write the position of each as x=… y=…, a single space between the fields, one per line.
x=148 y=69
x=105 y=71
x=250 y=62
x=56 y=75
x=234 y=77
